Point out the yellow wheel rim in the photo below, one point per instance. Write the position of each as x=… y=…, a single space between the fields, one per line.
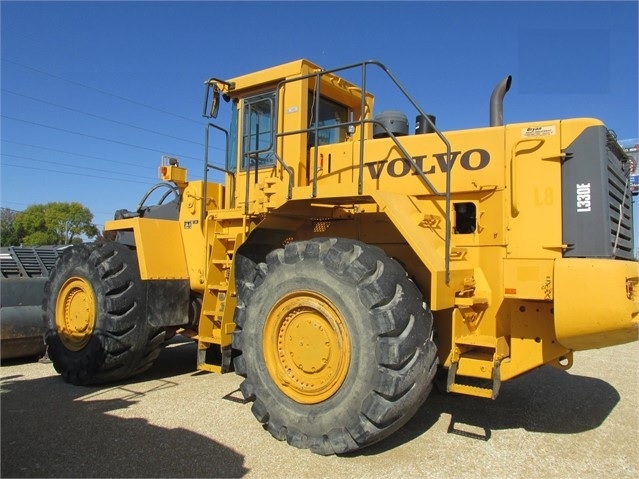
x=75 y=313
x=306 y=347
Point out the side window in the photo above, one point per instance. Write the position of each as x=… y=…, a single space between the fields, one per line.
x=258 y=139
x=330 y=113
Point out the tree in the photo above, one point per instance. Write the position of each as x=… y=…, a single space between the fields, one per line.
x=9 y=234
x=70 y=220
x=52 y=223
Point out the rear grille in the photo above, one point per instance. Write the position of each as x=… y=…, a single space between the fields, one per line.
x=596 y=201
x=619 y=200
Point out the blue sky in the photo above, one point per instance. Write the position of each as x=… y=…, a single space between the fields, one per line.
x=94 y=93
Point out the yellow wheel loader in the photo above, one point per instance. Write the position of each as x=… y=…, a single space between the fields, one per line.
x=346 y=260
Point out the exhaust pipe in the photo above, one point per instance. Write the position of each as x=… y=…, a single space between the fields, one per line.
x=497 y=101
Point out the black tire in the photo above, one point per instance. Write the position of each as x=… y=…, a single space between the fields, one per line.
x=96 y=328
x=361 y=302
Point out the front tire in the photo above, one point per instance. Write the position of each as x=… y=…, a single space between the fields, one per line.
x=336 y=344
x=96 y=328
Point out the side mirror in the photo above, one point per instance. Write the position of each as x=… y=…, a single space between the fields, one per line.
x=217 y=86
x=215 y=102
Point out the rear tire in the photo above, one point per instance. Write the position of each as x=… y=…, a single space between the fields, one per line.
x=96 y=328
x=336 y=344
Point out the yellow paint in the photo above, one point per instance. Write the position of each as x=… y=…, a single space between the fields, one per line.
x=155 y=242
x=528 y=279
x=511 y=303
x=75 y=313
x=593 y=304
x=306 y=347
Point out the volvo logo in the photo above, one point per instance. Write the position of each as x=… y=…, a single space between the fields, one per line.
x=471 y=160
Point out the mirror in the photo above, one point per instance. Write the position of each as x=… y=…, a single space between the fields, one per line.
x=215 y=103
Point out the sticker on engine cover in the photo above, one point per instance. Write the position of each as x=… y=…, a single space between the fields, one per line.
x=533 y=131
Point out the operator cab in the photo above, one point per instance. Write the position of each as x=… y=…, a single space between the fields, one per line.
x=280 y=114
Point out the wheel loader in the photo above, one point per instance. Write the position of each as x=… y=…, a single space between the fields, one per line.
x=345 y=261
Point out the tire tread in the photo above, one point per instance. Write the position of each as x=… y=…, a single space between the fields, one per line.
x=405 y=353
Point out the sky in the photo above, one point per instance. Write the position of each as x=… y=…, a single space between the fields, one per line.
x=94 y=93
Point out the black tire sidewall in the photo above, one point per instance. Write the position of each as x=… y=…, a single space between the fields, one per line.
x=345 y=405
x=74 y=262
x=118 y=342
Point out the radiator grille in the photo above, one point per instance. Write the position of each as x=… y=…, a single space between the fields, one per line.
x=597 y=201
x=619 y=200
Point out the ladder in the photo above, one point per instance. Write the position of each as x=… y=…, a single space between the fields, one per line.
x=475 y=365
x=226 y=231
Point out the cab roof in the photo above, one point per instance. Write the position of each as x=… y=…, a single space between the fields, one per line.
x=273 y=74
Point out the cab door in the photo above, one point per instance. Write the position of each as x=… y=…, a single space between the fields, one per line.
x=258 y=132
x=258 y=149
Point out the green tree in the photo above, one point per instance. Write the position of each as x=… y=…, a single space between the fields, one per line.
x=9 y=233
x=68 y=221
x=54 y=223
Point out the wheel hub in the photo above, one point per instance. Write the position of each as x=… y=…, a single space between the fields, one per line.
x=75 y=313
x=306 y=347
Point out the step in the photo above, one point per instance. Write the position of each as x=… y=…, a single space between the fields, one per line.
x=222 y=362
x=475 y=365
x=478 y=340
x=471 y=390
x=473 y=368
x=225 y=236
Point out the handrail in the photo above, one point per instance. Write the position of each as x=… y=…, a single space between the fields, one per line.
x=362 y=122
x=514 y=204
x=288 y=170
x=207 y=165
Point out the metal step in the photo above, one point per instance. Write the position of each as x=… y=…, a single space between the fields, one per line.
x=490 y=373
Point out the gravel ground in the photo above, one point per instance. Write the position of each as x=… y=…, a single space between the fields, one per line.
x=177 y=422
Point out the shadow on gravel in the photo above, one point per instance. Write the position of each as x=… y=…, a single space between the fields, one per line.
x=52 y=429
x=178 y=356
x=546 y=401
x=83 y=440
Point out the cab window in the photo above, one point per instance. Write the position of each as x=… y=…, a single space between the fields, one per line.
x=258 y=139
x=330 y=113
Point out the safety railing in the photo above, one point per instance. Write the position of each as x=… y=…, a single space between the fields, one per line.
x=208 y=166
x=362 y=122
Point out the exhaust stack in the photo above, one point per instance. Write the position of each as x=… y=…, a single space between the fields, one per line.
x=497 y=101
